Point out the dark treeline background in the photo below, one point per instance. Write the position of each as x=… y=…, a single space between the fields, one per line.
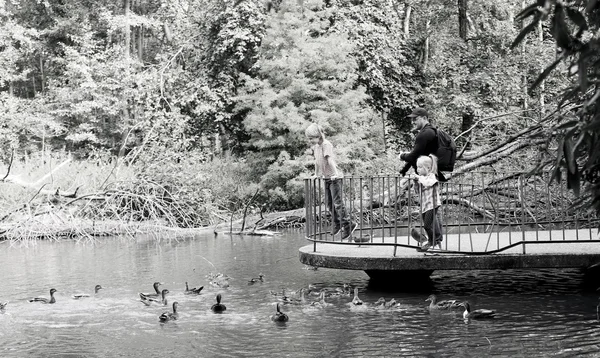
x=213 y=96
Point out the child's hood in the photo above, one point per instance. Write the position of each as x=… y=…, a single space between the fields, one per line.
x=428 y=180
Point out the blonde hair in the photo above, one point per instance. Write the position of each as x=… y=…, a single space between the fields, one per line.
x=314 y=131
x=429 y=161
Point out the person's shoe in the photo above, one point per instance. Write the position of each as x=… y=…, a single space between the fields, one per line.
x=425 y=247
x=415 y=234
x=347 y=233
x=438 y=244
x=336 y=230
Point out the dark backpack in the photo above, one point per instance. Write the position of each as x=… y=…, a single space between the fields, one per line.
x=446 y=152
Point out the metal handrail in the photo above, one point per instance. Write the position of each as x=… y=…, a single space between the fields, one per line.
x=386 y=209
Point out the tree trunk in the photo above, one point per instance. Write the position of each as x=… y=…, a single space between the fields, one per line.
x=42 y=73
x=525 y=85
x=462 y=19
x=127 y=6
x=140 y=32
x=426 y=45
x=467 y=121
x=11 y=88
x=140 y=42
x=542 y=87
x=383 y=124
x=407 y=13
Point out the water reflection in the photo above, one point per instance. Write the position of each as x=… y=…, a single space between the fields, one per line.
x=540 y=313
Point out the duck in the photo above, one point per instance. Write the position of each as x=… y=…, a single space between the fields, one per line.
x=441 y=305
x=219 y=280
x=321 y=302
x=356 y=301
x=44 y=299
x=218 y=307
x=150 y=300
x=279 y=316
x=260 y=278
x=3 y=305
x=391 y=303
x=345 y=290
x=82 y=295
x=477 y=314
x=157 y=292
x=380 y=303
x=288 y=299
x=302 y=294
x=170 y=316
x=193 y=291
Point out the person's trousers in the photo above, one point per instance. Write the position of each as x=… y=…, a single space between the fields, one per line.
x=432 y=222
x=335 y=203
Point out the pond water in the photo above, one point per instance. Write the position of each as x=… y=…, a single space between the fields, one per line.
x=542 y=313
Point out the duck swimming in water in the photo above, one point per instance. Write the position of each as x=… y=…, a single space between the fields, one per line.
x=302 y=293
x=193 y=291
x=321 y=302
x=151 y=300
x=380 y=303
x=356 y=301
x=477 y=314
x=279 y=316
x=44 y=299
x=218 y=307
x=260 y=278
x=441 y=305
x=82 y=295
x=391 y=303
x=169 y=316
x=157 y=292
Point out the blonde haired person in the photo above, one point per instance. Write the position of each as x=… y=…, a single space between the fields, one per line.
x=429 y=194
x=325 y=167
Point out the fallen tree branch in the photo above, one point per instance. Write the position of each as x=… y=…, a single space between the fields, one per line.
x=490 y=159
x=12 y=156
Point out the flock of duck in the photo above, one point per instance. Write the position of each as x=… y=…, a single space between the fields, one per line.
x=159 y=298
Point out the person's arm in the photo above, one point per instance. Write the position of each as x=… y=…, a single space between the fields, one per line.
x=316 y=163
x=331 y=162
x=329 y=158
x=405 y=169
x=420 y=148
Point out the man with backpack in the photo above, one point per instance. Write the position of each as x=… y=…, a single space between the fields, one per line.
x=429 y=140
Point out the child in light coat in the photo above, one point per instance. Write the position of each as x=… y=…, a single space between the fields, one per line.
x=428 y=189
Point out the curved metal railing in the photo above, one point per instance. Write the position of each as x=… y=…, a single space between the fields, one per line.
x=512 y=209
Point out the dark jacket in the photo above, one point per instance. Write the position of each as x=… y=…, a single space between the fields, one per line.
x=426 y=143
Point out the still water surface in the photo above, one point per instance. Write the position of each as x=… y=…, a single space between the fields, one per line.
x=543 y=313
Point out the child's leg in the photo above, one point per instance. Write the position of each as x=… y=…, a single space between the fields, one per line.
x=329 y=200
x=437 y=226
x=338 y=203
x=428 y=225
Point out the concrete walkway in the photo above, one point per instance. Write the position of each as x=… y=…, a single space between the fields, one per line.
x=583 y=253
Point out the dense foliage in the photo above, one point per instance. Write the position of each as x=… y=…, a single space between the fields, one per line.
x=575 y=29
x=189 y=92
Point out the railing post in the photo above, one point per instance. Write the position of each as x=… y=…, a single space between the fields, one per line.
x=395 y=211
x=371 y=207
x=306 y=208
x=521 y=195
